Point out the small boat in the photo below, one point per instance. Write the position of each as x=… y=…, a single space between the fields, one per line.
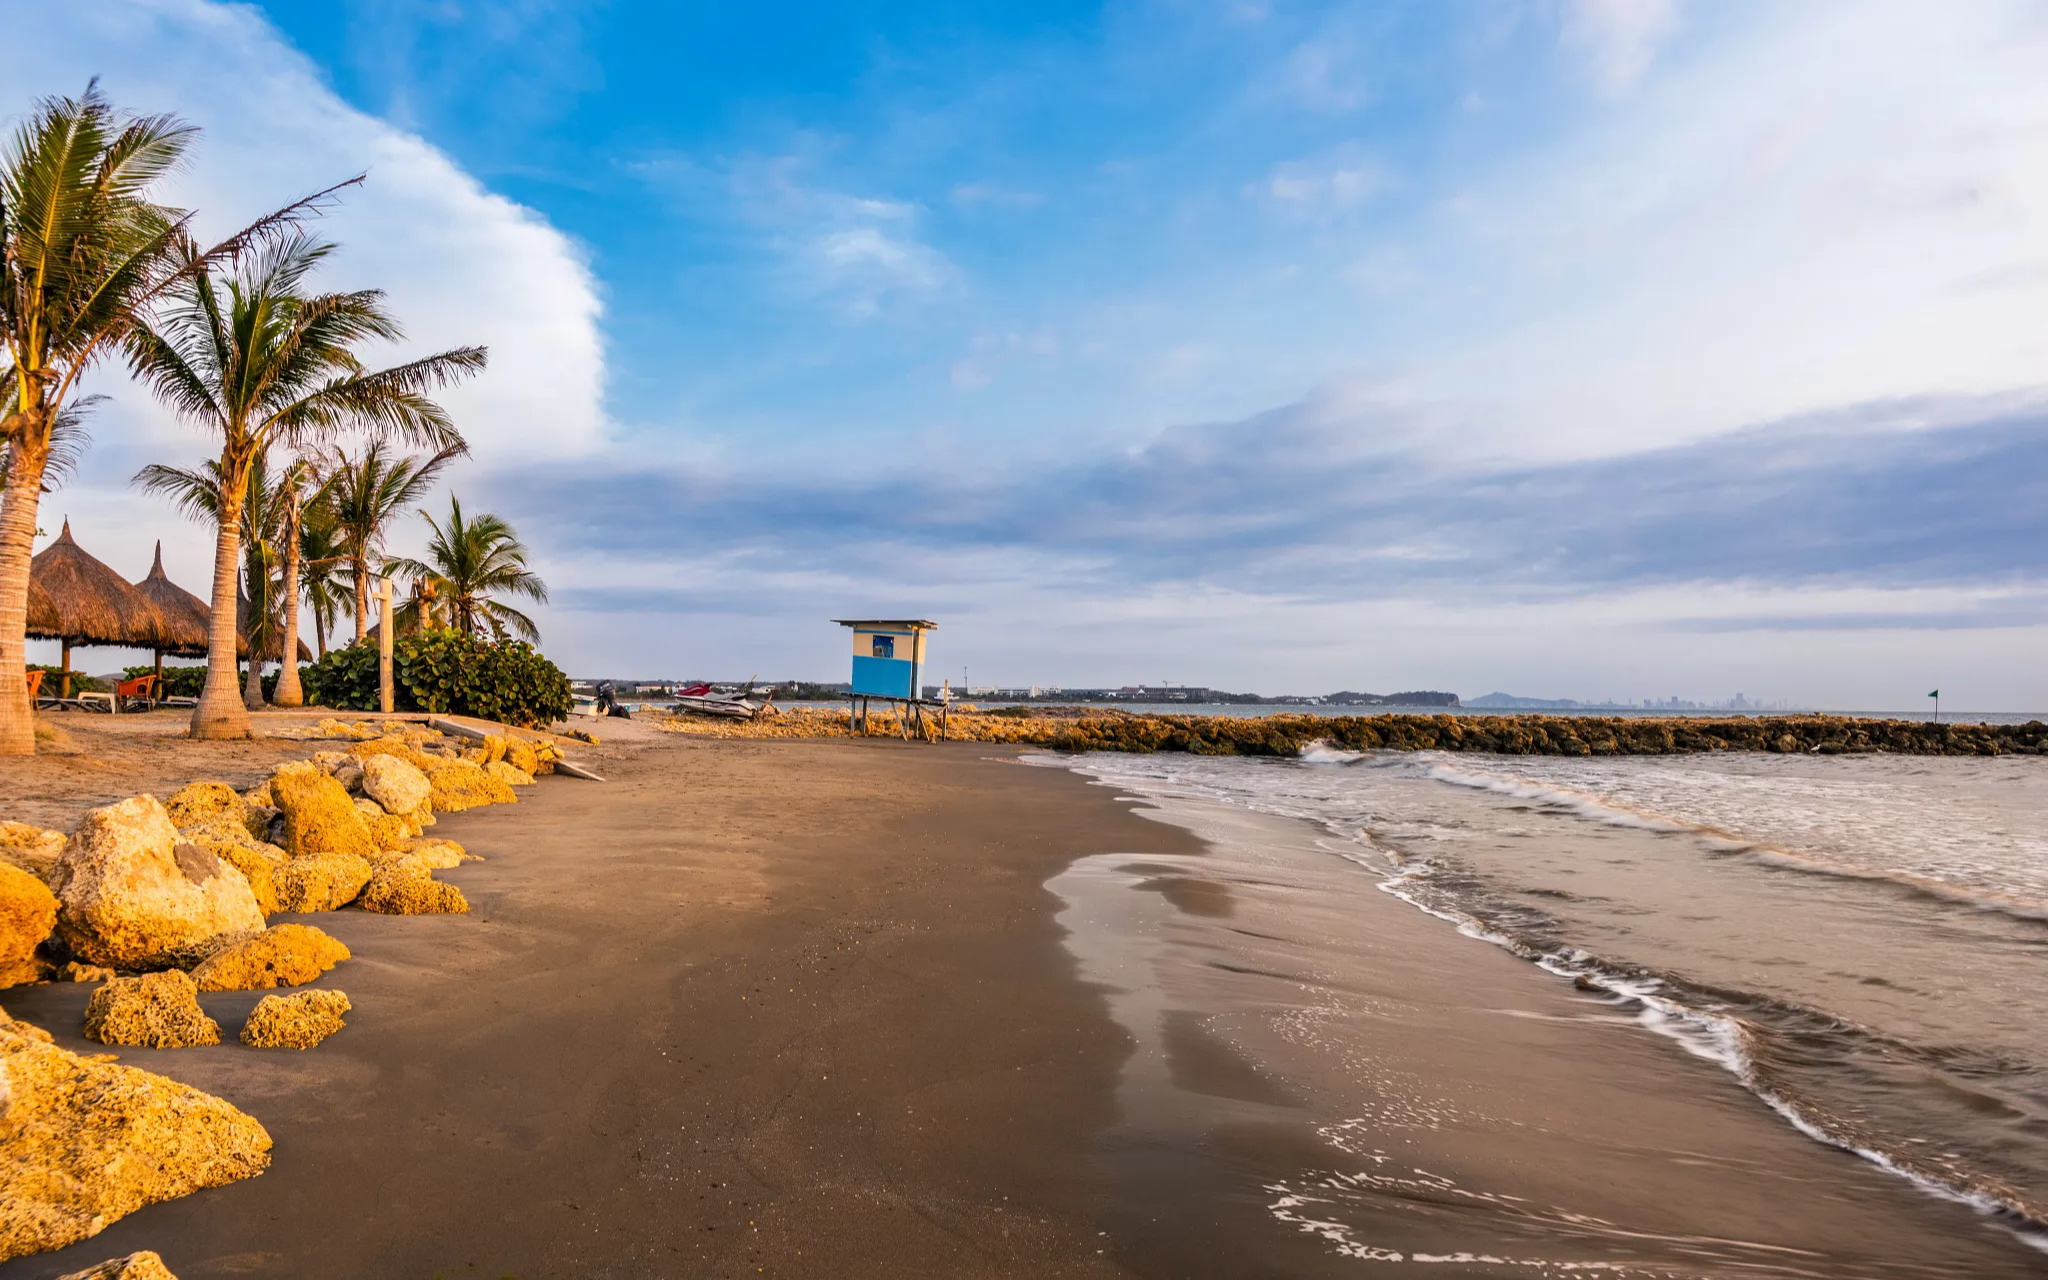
x=705 y=700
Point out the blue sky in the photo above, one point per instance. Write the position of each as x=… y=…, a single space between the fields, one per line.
x=1586 y=347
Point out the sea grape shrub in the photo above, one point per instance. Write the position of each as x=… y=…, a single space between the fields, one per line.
x=443 y=670
x=178 y=681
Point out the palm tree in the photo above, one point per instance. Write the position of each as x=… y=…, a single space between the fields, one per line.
x=196 y=495
x=259 y=361
x=367 y=493
x=296 y=484
x=84 y=252
x=468 y=562
x=322 y=563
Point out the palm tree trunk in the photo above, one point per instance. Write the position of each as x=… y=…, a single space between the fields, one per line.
x=359 y=566
x=220 y=713
x=319 y=632
x=288 y=693
x=17 y=547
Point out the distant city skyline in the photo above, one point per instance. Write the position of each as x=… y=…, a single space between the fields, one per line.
x=1629 y=345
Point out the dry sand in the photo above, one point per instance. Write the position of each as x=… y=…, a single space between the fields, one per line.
x=745 y=1008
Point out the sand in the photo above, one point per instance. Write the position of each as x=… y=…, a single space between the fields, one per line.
x=810 y=1009
x=745 y=1008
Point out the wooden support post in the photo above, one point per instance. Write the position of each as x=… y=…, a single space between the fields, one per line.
x=387 y=689
x=65 y=685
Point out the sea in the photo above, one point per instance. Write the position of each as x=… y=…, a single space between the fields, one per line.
x=1858 y=943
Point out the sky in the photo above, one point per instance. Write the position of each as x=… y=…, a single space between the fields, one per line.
x=1581 y=348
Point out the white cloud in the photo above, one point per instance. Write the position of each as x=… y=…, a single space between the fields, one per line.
x=1619 y=38
x=1328 y=188
x=461 y=264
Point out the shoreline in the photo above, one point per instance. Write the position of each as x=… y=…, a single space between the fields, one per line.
x=1436 y=1100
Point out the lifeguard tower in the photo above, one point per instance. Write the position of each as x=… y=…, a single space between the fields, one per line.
x=888 y=663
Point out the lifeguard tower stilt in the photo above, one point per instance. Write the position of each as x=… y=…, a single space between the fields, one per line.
x=888 y=664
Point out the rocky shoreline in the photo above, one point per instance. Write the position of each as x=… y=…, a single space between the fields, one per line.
x=1090 y=729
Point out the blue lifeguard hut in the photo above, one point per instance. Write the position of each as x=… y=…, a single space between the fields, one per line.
x=888 y=663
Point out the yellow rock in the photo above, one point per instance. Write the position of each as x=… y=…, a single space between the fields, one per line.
x=508 y=775
x=134 y=894
x=257 y=860
x=396 y=784
x=31 y=848
x=284 y=955
x=198 y=803
x=28 y=912
x=494 y=748
x=84 y=1142
x=136 y=1266
x=73 y=971
x=402 y=887
x=320 y=817
x=297 y=1021
x=260 y=795
x=153 y=1011
x=460 y=785
x=320 y=881
x=520 y=754
x=437 y=854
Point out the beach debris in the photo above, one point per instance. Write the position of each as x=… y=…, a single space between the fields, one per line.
x=509 y=775
x=404 y=887
x=72 y=971
x=134 y=894
x=297 y=1021
x=144 y=1265
x=284 y=955
x=31 y=848
x=320 y=817
x=397 y=785
x=459 y=785
x=320 y=881
x=85 y=1141
x=28 y=912
x=150 y=1011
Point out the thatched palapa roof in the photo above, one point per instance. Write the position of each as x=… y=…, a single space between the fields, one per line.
x=186 y=617
x=90 y=603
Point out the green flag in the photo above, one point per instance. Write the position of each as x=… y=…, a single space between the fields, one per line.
x=1935 y=694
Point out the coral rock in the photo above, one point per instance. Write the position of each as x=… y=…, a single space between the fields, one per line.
x=320 y=817
x=402 y=887
x=320 y=882
x=28 y=911
x=437 y=854
x=32 y=849
x=135 y=895
x=520 y=754
x=508 y=775
x=283 y=955
x=257 y=860
x=202 y=803
x=297 y=1021
x=84 y=1142
x=76 y=972
x=153 y=1011
x=136 y=1266
x=460 y=785
x=397 y=785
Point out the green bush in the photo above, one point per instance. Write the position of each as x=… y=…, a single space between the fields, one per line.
x=443 y=670
x=178 y=682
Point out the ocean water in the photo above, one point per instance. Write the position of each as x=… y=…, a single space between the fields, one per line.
x=1860 y=942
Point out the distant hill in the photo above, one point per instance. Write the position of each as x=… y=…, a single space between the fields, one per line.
x=1411 y=698
x=1510 y=700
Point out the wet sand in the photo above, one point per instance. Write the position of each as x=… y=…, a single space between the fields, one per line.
x=744 y=1009
x=810 y=1009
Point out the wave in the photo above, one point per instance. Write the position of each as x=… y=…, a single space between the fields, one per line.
x=1730 y=1029
x=1614 y=813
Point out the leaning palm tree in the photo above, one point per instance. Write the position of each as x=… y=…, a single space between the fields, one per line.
x=468 y=562
x=84 y=252
x=259 y=361
x=367 y=493
x=296 y=485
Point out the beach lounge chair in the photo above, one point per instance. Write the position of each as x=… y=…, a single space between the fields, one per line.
x=138 y=694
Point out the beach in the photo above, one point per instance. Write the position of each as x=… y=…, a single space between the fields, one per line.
x=883 y=1009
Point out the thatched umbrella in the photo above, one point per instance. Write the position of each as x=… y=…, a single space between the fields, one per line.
x=185 y=615
x=90 y=604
